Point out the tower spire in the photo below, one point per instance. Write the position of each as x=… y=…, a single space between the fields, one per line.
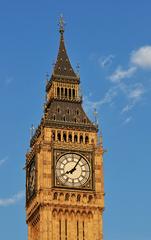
x=63 y=66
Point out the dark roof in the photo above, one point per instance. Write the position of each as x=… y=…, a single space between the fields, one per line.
x=63 y=66
x=68 y=114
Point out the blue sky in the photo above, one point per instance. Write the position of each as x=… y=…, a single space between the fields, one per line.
x=111 y=40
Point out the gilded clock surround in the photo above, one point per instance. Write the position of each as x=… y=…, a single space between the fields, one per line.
x=64 y=212
x=57 y=154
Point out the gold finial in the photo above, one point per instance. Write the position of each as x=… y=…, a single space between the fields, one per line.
x=53 y=66
x=95 y=113
x=78 y=69
x=47 y=77
x=101 y=139
x=61 y=24
x=32 y=131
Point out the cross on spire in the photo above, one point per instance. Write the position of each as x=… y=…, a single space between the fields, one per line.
x=61 y=24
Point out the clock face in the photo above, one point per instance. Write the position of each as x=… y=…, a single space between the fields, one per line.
x=31 y=179
x=72 y=170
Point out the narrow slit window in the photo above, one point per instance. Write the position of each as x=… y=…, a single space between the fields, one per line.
x=59 y=229
x=53 y=136
x=64 y=137
x=62 y=92
x=77 y=230
x=86 y=139
x=69 y=93
x=73 y=92
x=70 y=137
x=81 y=139
x=83 y=232
x=66 y=92
x=75 y=138
x=58 y=92
x=66 y=236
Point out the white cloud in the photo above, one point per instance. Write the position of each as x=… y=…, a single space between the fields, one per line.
x=108 y=98
x=142 y=57
x=133 y=91
x=106 y=61
x=127 y=108
x=136 y=92
x=127 y=120
x=12 y=200
x=120 y=74
x=133 y=94
x=3 y=160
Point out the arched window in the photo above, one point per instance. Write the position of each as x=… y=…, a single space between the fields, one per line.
x=58 y=109
x=64 y=137
x=75 y=138
x=75 y=120
x=62 y=92
x=58 y=92
x=70 y=137
x=86 y=139
x=69 y=93
x=67 y=197
x=90 y=198
x=59 y=136
x=81 y=139
x=55 y=196
x=64 y=118
x=54 y=117
x=78 y=198
x=73 y=93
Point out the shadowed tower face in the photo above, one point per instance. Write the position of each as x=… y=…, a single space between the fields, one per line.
x=64 y=166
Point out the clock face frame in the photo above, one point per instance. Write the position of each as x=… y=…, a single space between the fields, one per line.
x=31 y=180
x=73 y=170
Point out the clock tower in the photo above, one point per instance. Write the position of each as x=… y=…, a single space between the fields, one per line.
x=64 y=166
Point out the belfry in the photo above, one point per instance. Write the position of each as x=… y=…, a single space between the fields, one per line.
x=64 y=166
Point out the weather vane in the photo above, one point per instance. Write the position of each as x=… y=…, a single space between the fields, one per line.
x=61 y=24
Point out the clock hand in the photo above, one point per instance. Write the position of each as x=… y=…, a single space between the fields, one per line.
x=65 y=173
x=77 y=162
x=74 y=168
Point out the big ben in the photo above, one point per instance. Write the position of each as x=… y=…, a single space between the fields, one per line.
x=64 y=166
